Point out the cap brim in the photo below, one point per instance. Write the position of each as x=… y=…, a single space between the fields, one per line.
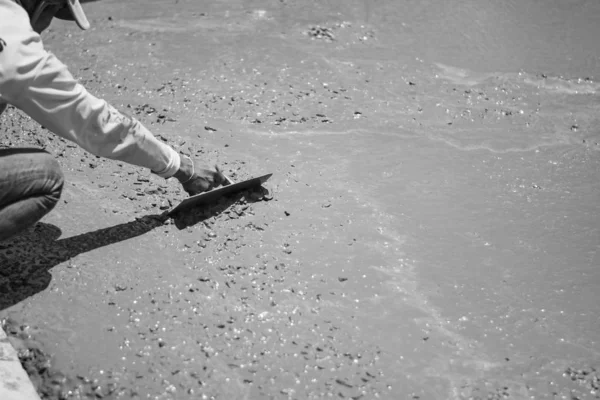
x=74 y=13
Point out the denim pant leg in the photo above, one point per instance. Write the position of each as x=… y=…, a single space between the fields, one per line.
x=30 y=186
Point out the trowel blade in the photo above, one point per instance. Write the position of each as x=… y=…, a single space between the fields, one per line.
x=215 y=194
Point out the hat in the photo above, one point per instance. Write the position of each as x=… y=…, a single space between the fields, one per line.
x=74 y=12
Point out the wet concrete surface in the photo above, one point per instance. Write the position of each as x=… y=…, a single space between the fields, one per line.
x=433 y=228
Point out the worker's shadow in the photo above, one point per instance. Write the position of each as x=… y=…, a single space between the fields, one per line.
x=25 y=261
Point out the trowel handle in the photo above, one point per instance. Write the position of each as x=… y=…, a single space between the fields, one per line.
x=229 y=180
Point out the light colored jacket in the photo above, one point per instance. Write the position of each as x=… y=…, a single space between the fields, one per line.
x=36 y=82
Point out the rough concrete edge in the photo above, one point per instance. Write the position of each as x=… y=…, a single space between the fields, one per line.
x=14 y=381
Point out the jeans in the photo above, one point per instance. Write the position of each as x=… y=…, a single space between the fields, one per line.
x=30 y=186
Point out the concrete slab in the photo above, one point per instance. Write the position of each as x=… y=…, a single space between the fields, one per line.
x=14 y=381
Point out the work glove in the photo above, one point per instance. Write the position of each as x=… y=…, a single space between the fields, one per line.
x=196 y=179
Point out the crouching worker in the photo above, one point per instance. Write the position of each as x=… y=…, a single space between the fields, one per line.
x=36 y=82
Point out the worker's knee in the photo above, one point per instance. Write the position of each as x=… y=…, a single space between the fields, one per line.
x=54 y=178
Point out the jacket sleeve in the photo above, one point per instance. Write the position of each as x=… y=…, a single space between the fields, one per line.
x=36 y=82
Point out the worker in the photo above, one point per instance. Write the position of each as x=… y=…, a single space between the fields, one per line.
x=38 y=83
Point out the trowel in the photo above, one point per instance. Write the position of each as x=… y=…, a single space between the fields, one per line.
x=215 y=194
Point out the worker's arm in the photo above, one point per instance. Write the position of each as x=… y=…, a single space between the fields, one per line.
x=35 y=81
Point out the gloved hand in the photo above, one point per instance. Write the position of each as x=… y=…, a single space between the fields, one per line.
x=195 y=179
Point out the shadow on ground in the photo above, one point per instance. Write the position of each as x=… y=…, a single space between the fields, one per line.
x=25 y=261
